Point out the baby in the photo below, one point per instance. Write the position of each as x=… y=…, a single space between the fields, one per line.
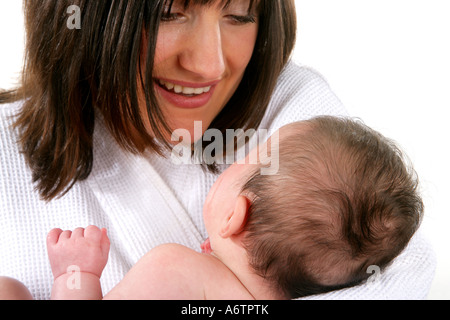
x=342 y=200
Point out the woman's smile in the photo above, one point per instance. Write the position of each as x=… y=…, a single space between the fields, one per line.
x=185 y=95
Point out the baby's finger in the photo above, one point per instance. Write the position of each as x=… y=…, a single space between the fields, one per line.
x=53 y=236
x=78 y=233
x=105 y=243
x=65 y=235
x=93 y=233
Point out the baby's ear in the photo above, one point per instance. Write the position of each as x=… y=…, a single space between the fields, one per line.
x=237 y=219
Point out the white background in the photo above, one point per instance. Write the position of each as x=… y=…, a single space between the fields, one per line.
x=389 y=63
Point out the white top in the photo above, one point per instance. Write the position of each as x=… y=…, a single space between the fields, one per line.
x=147 y=201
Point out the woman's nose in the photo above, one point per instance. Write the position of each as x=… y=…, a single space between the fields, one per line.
x=203 y=54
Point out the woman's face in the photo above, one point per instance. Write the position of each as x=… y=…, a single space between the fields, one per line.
x=201 y=54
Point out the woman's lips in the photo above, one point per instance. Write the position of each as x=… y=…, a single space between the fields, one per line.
x=185 y=95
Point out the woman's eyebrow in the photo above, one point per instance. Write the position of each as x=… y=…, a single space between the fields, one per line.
x=225 y=3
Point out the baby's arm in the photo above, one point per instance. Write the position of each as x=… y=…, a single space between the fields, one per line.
x=77 y=259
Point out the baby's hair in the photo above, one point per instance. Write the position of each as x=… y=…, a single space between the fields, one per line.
x=344 y=199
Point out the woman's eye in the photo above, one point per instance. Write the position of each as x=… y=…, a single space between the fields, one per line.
x=169 y=16
x=237 y=19
x=172 y=13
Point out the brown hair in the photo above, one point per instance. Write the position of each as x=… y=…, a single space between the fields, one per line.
x=343 y=200
x=71 y=74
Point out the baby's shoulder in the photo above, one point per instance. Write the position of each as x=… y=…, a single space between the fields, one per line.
x=188 y=260
x=217 y=281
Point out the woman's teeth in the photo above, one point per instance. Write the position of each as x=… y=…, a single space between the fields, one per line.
x=184 y=90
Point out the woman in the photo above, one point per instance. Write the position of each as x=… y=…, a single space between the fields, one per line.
x=87 y=138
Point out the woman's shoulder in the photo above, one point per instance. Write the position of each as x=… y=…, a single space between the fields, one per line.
x=299 y=84
x=14 y=170
x=299 y=73
x=301 y=93
x=11 y=106
x=8 y=135
x=8 y=113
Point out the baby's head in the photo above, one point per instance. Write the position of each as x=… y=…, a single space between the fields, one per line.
x=343 y=200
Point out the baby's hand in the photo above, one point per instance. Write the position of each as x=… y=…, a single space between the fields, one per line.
x=87 y=249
